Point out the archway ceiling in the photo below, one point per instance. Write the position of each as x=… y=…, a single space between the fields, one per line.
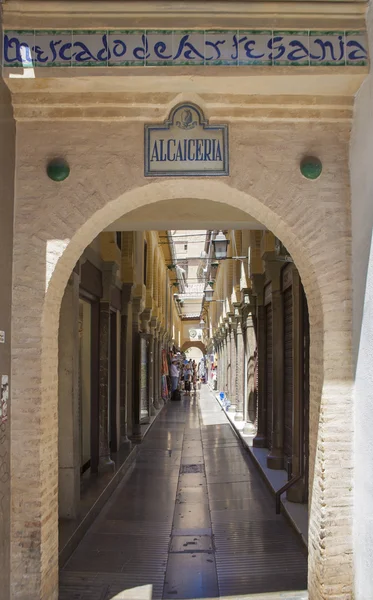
x=190 y=213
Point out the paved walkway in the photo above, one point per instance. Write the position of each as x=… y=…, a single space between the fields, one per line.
x=193 y=519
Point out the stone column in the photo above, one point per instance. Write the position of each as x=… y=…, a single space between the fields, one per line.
x=68 y=402
x=124 y=398
x=226 y=361
x=275 y=460
x=218 y=374
x=156 y=371
x=152 y=344
x=129 y=378
x=146 y=329
x=136 y=366
x=160 y=348
x=165 y=345
x=240 y=369
x=250 y=409
x=221 y=372
x=297 y=492
x=108 y=280
x=260 y=440
x=232 y=359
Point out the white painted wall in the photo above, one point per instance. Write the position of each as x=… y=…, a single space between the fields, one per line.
x=194 y=354
x=361 y=168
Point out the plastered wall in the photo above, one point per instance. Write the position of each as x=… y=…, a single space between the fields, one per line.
x=7 y=158
x=361 y=157
x=56 y=221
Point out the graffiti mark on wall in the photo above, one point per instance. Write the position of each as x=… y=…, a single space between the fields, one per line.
x=4 y=459
x=4 y=398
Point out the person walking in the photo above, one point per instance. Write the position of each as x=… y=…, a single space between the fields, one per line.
x=174 y=376
x=194 y=377
x=187 y=378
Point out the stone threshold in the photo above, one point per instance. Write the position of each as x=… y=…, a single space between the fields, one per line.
x=296 y=513
x=145 y=592
x=96 y=489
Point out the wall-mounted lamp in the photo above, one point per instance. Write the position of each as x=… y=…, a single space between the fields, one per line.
x=220 y=245
x=209 y=292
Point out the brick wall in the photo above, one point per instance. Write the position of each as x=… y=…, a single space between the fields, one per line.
x=54 y=222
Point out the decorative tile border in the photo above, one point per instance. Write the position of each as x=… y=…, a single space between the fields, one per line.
x=92 y=48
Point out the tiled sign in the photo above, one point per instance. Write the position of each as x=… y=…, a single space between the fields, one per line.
x=186 y=145
x=112 y=48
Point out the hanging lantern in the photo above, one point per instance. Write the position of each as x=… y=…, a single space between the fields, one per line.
x=202 y=324
x=220 y=244
x=209 y=292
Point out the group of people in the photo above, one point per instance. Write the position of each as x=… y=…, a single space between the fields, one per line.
x=184 y=373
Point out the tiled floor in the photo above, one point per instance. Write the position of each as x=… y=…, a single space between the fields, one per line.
x=193 y=519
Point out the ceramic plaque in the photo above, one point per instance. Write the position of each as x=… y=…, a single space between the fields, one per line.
x=185 y=144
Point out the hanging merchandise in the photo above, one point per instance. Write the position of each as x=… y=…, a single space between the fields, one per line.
x=164 y=388
x=164 y=363
x=165 y=379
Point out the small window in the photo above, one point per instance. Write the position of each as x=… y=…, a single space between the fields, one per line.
x=185 y=246
x=118 y=239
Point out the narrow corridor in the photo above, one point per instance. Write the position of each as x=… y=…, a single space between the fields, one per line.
x=193 y=518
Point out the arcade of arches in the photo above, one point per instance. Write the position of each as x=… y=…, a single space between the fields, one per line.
x=123 y=320
x=92 y=305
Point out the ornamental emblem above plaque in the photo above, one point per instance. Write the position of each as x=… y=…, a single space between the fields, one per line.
x=185 y=145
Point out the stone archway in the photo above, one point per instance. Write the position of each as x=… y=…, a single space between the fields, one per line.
x=196 y=344
x=42 y=265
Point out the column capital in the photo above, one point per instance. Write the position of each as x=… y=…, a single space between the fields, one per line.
x=258 y=287
x=237 y=306
x=249 y=321
x=109 y=275
x=273 y=269
x=249 y=300
x=137 y=308
x=145 y=319
x=153 y=325
x=127 y=289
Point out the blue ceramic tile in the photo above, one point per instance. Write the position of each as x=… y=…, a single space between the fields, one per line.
x=90 y=49
x=53 y=48
x=356 y=48
x=18 y=49
x=127 y=48
x=327 y=48
x=160 y=48
x=188 y=47
x=220 y=48
x=290 y=48
x=254 y=47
